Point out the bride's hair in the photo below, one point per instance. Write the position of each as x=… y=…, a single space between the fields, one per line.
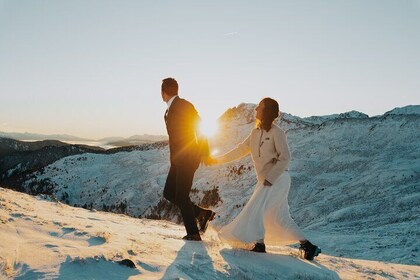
x=270 y=113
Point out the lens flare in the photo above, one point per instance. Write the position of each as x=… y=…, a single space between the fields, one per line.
x=214 y=152
x=209 y=127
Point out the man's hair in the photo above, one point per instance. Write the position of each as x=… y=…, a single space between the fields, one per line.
x=270 y=113
x=170 y=86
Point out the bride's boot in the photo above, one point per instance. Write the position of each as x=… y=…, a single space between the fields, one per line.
x=308 y=250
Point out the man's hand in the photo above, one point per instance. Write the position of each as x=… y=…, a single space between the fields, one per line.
x=267 y=184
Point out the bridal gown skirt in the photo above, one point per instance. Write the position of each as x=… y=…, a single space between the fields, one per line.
x=265 y=216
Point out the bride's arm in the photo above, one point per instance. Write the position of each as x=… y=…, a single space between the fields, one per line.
x=280 y=142
x=240 y=151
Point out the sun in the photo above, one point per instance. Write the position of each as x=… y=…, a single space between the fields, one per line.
x=209 y=127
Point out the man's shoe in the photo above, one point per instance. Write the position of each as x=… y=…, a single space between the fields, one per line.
x=192 y=237
x=205 y=219
x=259 y=248
x=308 y=250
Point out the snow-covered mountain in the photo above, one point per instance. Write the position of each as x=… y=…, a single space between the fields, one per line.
x=355 y=181
x=44 y=239
x=407 y=110
x=347 y=115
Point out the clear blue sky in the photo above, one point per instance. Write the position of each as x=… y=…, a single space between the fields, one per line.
x=94 y=68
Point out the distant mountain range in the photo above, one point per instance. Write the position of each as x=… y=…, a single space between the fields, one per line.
x=133 y=140
x=108 y=141
x=27 y=136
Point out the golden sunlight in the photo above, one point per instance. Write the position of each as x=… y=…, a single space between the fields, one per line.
x=214 y=152
x=209 y=127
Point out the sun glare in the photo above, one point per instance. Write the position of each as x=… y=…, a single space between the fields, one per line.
x=214 y=152
x=208 y=127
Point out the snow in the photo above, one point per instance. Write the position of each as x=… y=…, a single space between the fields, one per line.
x=11 y=171
x=45 y=239
x=355 y=192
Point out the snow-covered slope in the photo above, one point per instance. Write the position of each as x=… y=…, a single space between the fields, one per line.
x=355 y=181
x=407 y=110
x=44 y=239
x=347 y=115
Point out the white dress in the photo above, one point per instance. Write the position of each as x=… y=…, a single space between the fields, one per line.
x=266 y=215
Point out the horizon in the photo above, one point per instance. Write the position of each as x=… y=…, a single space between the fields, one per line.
x=165 y=135
x=94 y=69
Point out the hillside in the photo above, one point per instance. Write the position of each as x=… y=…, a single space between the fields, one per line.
x=44 y=239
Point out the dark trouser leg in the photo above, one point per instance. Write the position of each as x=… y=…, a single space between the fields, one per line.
x=170 y=190
x=184 y=179
x=170 y=186
x=198 y=210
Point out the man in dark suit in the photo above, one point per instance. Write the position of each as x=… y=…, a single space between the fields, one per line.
x=186 y=153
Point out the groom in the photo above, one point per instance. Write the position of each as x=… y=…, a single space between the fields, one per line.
x=186 y=153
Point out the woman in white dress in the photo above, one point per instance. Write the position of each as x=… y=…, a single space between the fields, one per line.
x=265 y=219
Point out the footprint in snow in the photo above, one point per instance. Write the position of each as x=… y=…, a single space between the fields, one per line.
x=131 y=252
x=16 y=215
x=96 y=241
x=67 y=230
x=54 y=234
x=95 y=219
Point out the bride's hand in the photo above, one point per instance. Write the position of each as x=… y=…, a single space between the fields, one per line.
x=267 y=184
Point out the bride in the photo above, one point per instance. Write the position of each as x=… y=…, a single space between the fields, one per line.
x=265 y=219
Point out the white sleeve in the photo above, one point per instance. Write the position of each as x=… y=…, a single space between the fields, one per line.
x=239 y=152
x=283 y=159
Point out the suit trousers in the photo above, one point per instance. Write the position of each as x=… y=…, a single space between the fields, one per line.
x=177 y=190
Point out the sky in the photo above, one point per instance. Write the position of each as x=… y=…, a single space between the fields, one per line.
x=94 y=68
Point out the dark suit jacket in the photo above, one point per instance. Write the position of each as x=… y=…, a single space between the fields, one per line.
x=182 y=123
